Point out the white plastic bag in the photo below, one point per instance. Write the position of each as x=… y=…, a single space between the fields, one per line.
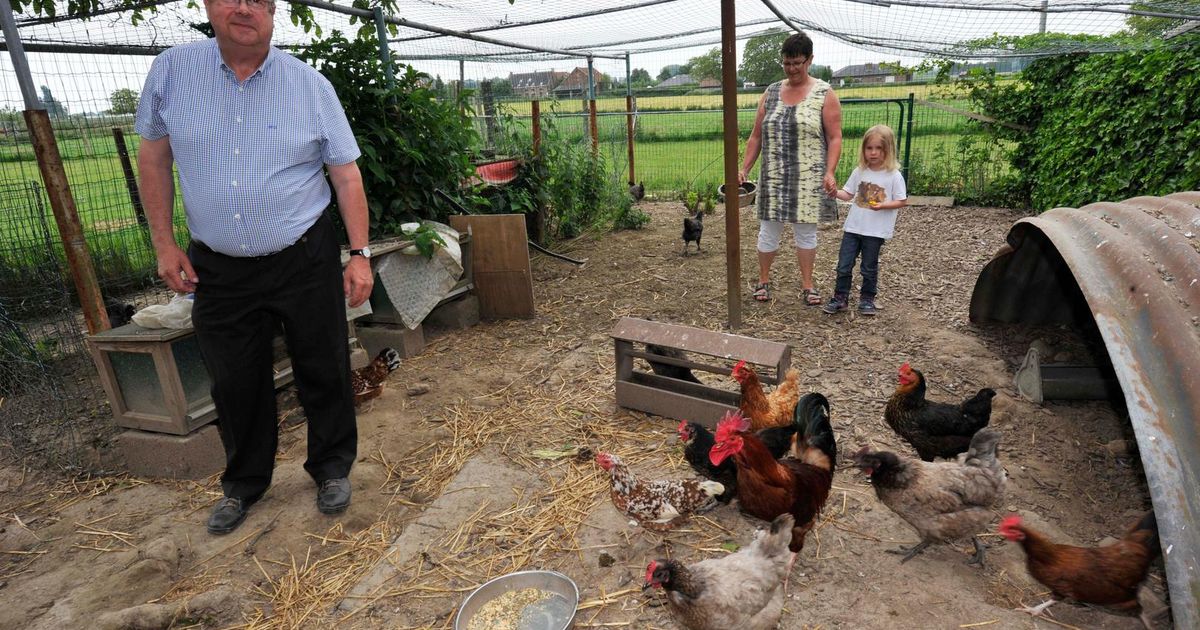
x=176 y=314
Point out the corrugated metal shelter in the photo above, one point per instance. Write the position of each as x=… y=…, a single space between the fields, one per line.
x=1136 y=265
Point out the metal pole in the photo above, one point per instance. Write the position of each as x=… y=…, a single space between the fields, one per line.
x=733 y=249
x=17 y=52
x=1042 y=19
x=908 y=135
x=629 y=137
x=385 y=56
x=591 y=80
x=41 y=133
x=629 y=117
x=135 y=196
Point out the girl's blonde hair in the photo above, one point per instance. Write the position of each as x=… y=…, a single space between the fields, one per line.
x=888 y=137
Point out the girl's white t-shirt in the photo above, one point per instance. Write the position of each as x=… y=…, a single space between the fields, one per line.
x=879 y=186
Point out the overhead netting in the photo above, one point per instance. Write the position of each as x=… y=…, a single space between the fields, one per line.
x=536 y=30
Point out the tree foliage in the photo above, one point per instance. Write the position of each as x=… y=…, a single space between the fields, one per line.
x=671 y=70
x=706 y=66
x=639 y=77
x=1153 y=27
x=124 y=101
x=1101 y=126
x=760 y=58
x=301 y=16
x=411 y=142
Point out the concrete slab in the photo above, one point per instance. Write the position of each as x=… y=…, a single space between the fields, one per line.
x=481 y=480
x=922 y=200
x=196 y=455
x=456 y=314
x=409 y=343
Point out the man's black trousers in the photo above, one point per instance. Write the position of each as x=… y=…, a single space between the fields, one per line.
x=240 y=305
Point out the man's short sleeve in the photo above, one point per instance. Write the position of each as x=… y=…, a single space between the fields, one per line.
x=339 y=146
x=148 y=122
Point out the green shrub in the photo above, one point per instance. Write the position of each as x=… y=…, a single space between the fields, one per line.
x=412 y=143
x=571 y=188
x=1103 y=127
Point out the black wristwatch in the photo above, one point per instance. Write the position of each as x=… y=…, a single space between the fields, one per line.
x=364 y=252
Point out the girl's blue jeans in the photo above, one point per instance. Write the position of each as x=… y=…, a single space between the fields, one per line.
x=852 y=246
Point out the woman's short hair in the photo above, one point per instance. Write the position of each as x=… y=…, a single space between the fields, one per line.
x=797 y=45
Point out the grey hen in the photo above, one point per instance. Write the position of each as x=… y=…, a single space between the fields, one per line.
x=637 y=191
x=693 y=228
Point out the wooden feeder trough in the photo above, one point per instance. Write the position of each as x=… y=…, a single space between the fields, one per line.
x=684 y=400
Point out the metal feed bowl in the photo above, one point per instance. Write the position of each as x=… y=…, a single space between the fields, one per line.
x=550 y=581
x=747 y=191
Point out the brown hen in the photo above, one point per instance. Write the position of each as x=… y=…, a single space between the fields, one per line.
x=767 y=410
x=1106 y=576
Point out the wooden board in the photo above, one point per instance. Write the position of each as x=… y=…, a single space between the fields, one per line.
x=724 y=345
x=500 y=264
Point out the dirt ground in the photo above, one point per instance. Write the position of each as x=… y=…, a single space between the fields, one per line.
x=476 y=476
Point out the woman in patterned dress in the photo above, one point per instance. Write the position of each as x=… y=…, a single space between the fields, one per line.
x=798 y=130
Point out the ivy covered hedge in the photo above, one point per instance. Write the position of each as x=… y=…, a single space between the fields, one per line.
x=1102 y=127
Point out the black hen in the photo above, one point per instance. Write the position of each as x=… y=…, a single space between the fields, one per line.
x=637 y=191
x=119 y=313
x=693 y=228
x=935 y=429
x=673 y=371
x=698 y=442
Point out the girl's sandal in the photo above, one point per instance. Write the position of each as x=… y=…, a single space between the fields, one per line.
x=762 y=292
x=812 y=297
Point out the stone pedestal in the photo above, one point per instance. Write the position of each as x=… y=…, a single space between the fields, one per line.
x=196 y=455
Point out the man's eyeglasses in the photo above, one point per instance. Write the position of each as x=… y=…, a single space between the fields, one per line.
x=253 y=5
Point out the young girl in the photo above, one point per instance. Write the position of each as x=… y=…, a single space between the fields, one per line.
x=876 y=191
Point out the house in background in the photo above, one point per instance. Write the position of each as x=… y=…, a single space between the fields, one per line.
x=576 y=83
x=535 y=84
x=678 y=80
x=869 y=73
x=710 y=83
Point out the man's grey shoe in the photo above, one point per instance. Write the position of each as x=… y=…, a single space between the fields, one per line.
x=227 y=515
x=333 y=496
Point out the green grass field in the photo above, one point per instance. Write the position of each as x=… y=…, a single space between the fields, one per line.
x=678 y=145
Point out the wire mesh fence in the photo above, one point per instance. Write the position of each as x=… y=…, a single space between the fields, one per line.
x=89 y=74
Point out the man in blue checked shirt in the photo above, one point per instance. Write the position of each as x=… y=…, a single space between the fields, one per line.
x=252 y=131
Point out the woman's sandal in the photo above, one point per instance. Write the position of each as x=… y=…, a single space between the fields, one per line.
x=762 y=292
x=812 y=297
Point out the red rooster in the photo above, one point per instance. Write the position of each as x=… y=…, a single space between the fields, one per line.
x=768 y=487
x=767 y=410
x=657 y=505
x=1106 y=576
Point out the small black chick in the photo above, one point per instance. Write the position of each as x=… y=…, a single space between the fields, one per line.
x=693 y=228
x=673 y=371
x=119 y=313
x=637 y=191
x=979 y=406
